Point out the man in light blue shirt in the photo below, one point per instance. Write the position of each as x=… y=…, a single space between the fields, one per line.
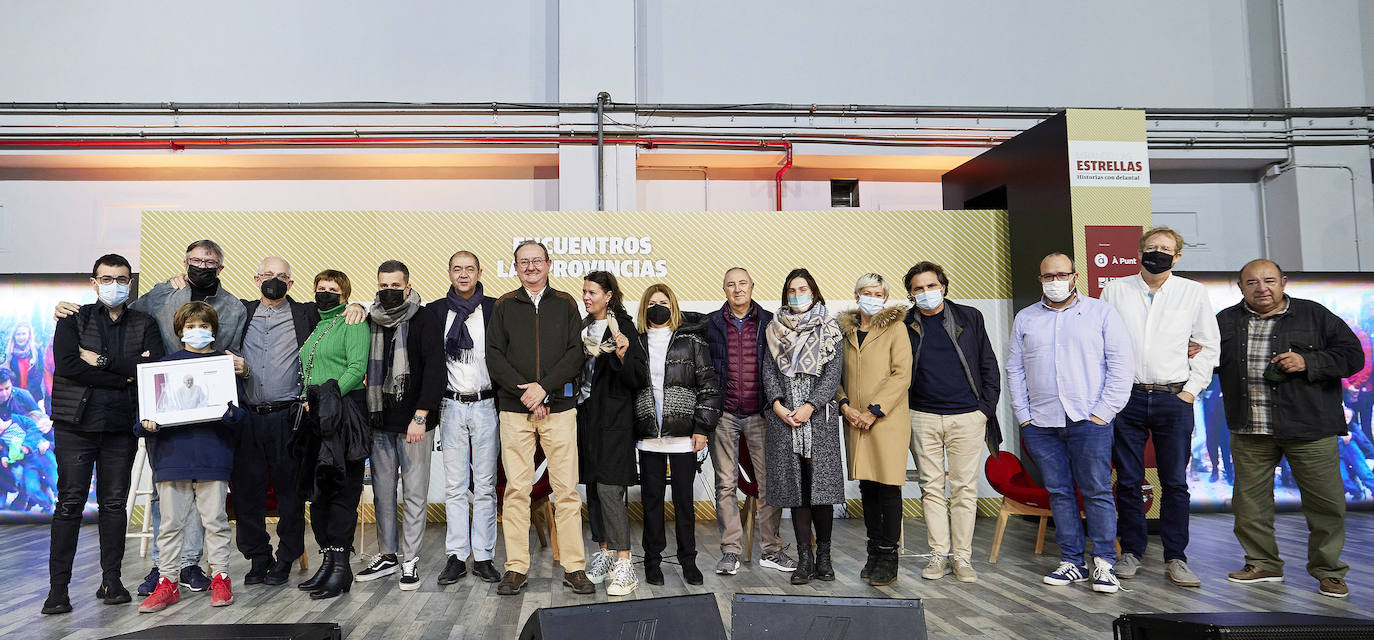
x=1069 y=373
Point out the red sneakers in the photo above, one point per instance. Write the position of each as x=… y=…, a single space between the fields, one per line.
x=167 y=592
x=221 y=593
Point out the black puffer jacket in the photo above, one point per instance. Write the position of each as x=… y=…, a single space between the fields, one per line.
x=691 y=390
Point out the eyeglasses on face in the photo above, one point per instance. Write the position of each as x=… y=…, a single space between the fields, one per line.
x=203 y=263
x=531 y=262
x=1051 y=277
x=113 y=280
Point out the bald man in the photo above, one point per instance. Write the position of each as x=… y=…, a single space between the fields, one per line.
x=272 y=338
x=1282 y=362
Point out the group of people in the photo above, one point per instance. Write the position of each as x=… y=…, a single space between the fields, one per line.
x=612 y=401
x=27 y=471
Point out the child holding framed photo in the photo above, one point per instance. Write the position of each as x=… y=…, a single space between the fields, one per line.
x=191 y=466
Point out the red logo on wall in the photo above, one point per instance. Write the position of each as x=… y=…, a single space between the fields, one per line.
x=1113 y=252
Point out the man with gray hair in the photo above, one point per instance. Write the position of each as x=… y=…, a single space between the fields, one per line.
x=737 y=339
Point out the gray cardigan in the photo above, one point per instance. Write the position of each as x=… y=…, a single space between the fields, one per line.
x=782 y=466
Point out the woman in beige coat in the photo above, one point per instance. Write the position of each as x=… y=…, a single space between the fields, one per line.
x=873 y=400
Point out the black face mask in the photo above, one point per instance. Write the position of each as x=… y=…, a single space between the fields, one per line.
x=658 y=314
x=327 y=300
x=200 y=277
x=1156 y=262
x=273 y=289
x=391 y=298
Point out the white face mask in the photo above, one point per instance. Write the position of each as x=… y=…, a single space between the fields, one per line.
x=870 y=306
x=114 y=294
x=197 y=338
x=930 y=299
x=1057 y=290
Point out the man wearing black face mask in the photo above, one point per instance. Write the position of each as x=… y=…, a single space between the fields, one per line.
x=271 y=340
x=406 y=378
x=1162 y=313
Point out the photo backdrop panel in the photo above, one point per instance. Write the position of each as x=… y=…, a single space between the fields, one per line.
x=690 y=250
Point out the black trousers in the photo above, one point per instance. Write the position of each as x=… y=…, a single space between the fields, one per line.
x=262 y=459
x=334 y=517
x=110 y=455
x=595 y=516
x=882 y=512
x=653 y=474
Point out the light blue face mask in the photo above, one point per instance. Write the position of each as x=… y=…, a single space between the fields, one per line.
x=114 y=294
x=799 y=303
x=870 y=306
x=197 y=338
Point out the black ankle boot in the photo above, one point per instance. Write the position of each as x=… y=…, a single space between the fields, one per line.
x=653 y=573
x=690 y=573
x=326 y=564
x=868 y=564
x=58 y=601
x=258 y=569
x=884 y=568
x=806 y=565
x=824 y=569
x=339 y=580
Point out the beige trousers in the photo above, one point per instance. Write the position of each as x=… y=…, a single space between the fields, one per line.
x=947 y=450
x=183 y=500
x=558 y=435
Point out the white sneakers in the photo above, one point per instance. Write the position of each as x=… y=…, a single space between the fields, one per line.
x=623 y=582
x=599 y=565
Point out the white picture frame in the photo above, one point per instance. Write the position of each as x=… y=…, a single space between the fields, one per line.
x=177 y=392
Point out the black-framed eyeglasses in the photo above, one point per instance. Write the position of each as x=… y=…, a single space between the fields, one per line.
x=1051 y=277
x=203 y=263
x=113 y=280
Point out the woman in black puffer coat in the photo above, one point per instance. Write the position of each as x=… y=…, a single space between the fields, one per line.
x=673 y=415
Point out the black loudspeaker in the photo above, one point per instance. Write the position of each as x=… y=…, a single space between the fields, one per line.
x=1240 y=626
x=313 y=631
x=808 y=618
x=694 y=617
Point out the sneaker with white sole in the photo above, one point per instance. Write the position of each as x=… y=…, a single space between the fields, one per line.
x=600 y=565
x=1127 y=565
x=1067 y=573
x=1177 y=572
x=778 y=560
x=936 y=568
x=1104 y=578
x=382 y=567
x=963 y=569
x=729 y=564
x=410 y=574
x=624 y=582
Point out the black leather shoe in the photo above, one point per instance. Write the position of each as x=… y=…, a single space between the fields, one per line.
x=690 y=573
x=454 y=570
x=113 y=593
x=258 y=571
x=278 y=573
x=339 y=580
x=57 y=601
x=868 y=564
x=326 y=565
x=485 y=570
x=806 y=564
x=653 y=574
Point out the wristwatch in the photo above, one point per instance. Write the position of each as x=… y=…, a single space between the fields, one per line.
x=420 y=420
x=102 y=362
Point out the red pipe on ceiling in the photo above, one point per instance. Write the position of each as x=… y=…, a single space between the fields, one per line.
x=178 y=144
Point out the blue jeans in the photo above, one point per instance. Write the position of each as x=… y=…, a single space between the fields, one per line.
x=1169 y=420
x=1077 y=456
x=471 y=443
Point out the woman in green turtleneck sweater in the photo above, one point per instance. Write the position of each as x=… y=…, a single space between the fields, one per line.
x=336 y=351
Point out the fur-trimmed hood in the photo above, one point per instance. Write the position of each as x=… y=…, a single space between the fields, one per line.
x=849 y=320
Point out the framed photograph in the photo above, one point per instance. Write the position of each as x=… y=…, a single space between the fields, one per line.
x=184 y=391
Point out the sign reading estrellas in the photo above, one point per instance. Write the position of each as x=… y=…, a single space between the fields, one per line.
x=1108 y=163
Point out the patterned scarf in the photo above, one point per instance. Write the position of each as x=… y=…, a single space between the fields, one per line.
x=802 y=342
x=459 y=340
x=385 y=383
x=593 y=345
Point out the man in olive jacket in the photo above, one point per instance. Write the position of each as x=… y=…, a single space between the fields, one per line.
x=534 y=356
x=1282 y=361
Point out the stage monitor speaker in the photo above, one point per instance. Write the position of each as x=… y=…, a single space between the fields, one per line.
x=758 y=617
x=1240 y=626
x=694 y=617
x=311 y=631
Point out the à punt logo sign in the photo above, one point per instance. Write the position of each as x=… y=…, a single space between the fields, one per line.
x=1097 y=163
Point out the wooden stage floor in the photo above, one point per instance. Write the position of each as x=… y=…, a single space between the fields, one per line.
x=1008 y=601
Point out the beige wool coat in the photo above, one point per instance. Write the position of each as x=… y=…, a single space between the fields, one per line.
x=877 y=373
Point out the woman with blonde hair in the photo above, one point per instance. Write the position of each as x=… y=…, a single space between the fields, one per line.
x=873 y=401
x=673 y=416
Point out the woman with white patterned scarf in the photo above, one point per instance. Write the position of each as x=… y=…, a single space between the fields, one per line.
x=803 y=465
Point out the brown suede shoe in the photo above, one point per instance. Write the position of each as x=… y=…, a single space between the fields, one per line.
x=579 y=583
x=1334 y=587
x=1250 y=573
x=512 y=583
